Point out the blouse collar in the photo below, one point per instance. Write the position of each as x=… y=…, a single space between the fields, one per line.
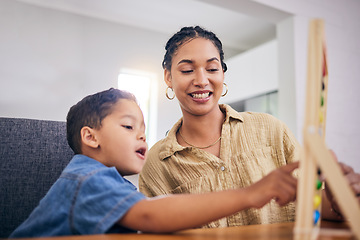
x=170 y=144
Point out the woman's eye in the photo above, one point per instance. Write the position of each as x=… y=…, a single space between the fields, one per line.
x=128 y=127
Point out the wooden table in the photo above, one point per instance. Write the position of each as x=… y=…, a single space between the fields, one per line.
x=279 y=231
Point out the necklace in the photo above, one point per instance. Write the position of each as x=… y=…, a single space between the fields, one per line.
x=197 y=146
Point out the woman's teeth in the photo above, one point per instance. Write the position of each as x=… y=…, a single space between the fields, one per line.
x=200 y=95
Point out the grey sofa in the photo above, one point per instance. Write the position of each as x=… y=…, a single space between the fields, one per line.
x=33 y=153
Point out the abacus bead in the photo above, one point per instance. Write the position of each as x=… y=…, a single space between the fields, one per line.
x=318 y=183
x=317 y=201
x=316 y=216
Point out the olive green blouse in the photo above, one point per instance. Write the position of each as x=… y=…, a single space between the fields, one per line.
x=252 y=145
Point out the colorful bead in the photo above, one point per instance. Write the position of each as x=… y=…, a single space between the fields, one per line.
x=318 y=182
x=316 y=216
x=322 y=101
x=317 y=201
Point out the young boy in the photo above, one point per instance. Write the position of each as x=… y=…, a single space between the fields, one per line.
x=107 y=133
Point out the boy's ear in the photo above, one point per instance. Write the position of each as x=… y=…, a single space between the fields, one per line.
x=88 y=137
x=167 y=77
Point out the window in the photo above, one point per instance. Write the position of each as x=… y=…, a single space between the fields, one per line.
x=144 y=86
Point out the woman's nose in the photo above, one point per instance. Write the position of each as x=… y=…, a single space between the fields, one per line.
x=201 y=78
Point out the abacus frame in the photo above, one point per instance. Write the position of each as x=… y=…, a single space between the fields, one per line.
x=315 y=154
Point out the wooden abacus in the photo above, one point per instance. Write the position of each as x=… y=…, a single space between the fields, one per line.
x=316 y=157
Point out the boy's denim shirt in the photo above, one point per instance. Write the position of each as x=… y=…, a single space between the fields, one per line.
x=88 y=198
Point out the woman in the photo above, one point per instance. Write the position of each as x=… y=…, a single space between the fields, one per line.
x=213 y=147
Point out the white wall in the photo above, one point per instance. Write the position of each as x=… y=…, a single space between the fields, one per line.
x=342 y=28
x=50 y=59
x=252 y=73
x=287 y=109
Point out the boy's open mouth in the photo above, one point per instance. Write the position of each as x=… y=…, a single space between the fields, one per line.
x=141 y=151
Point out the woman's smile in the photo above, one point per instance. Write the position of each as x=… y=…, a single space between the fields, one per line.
x=200 y=96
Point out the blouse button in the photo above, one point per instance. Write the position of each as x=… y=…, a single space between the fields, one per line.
x=222 y=168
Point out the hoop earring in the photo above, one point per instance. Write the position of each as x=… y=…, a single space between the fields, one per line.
x=227 y=89
x=166 y=93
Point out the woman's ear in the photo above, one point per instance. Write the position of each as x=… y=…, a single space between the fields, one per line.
x=167 y=77
x=88 y=137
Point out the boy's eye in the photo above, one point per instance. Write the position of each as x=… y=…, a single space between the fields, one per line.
x=213 y=70
x=128 y=127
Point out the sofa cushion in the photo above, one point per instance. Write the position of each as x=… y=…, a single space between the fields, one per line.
x=33 y=153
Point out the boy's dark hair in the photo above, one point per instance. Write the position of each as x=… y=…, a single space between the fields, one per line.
x=90 y=111
x=186 y=34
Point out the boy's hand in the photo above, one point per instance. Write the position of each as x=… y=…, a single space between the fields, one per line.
x=279 y=185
